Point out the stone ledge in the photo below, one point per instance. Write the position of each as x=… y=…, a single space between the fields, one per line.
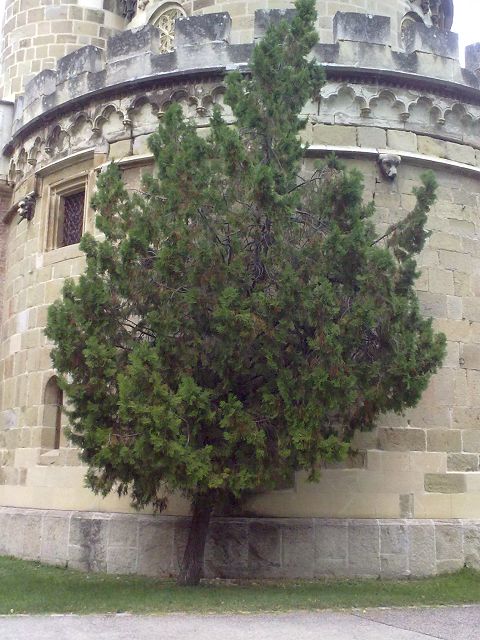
x=242 y=547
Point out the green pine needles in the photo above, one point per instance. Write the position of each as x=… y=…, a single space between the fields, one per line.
x=236 y=322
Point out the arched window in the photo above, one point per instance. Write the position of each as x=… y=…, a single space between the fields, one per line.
x=164 y=19
x=52 y=416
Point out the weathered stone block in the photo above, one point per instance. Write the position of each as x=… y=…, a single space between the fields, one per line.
x=264 y=548
x=407 y=505
x=471 y=543
x=402 y=140
x=433 y=304
x=418 y=37
x=393 y=566
x=470 y=355
x=89 y=542
x=5 y=517
x=127 y=69
x=226 y=553
x=361 y=27
x=372 y=137
x=331 y=540
x=43 y=84
x=449 y=566
x=402 y=439
x=421 y=540
x=155 y=547
x=31 y=537
x=461 y=153
x=120 y=149
x=364 y=440
x=198 y=30
x=444 y=440
x=337 y=135
x=54 y=548
x=448 y=541
x=266 y=17
x=180 y=537
x=87 y=59
x=140 y=145
x=466 y=417
x=462 y=462
x=431 y=147
x=445 y=483
x=363 y=547
x=298 y=549
x=393 y=538
x=472 y=57
x=123 y=531
x=122 y=560
x=471 y=441
x=133 y=42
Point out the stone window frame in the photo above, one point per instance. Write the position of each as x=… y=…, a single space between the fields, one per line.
x=57 y=191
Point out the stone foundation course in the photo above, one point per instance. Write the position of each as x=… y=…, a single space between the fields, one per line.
x=242 y=547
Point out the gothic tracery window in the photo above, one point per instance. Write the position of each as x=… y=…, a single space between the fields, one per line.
x=164 y=20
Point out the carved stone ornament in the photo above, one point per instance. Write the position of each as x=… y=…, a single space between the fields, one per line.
x=26 y=207
x=129 y=8
x=389 y=164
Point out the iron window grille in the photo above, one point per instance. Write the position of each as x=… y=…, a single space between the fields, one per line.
x=73 y=210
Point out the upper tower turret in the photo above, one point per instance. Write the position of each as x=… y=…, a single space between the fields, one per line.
x=36 y=33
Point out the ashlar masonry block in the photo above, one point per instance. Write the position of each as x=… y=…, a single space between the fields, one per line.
x=445 y=483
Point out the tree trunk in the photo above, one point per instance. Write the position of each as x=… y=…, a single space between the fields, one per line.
x=192 y=566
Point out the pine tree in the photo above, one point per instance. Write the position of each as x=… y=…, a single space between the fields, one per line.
x=237 y=322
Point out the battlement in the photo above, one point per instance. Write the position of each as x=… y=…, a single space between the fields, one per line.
x=421 y=88
x=202 y=45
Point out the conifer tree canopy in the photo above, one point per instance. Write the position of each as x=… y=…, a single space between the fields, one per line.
x=237 y=321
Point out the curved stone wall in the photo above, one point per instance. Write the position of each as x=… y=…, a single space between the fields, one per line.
x=417 y=104
x=37 y=33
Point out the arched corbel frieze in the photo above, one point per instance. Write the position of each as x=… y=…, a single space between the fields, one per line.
x=110 y=124
x=80 y=131
x=57 y=141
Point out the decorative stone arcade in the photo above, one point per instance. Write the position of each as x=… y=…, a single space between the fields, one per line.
x=396 y=101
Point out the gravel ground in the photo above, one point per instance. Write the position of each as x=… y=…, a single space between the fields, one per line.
x=449 y=623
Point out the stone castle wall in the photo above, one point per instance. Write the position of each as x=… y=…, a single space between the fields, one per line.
x=416 y=103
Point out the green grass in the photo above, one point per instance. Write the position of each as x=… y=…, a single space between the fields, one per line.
x=29 y=587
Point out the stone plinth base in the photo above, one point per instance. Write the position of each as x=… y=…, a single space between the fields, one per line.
x=241 y=547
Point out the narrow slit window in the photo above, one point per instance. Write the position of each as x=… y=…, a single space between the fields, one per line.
x=53 y=412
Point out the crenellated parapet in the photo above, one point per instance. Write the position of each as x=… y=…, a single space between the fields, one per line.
x=95 y=97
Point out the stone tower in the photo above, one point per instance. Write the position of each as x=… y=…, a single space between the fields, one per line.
x=37 y=33
x=91 y=80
